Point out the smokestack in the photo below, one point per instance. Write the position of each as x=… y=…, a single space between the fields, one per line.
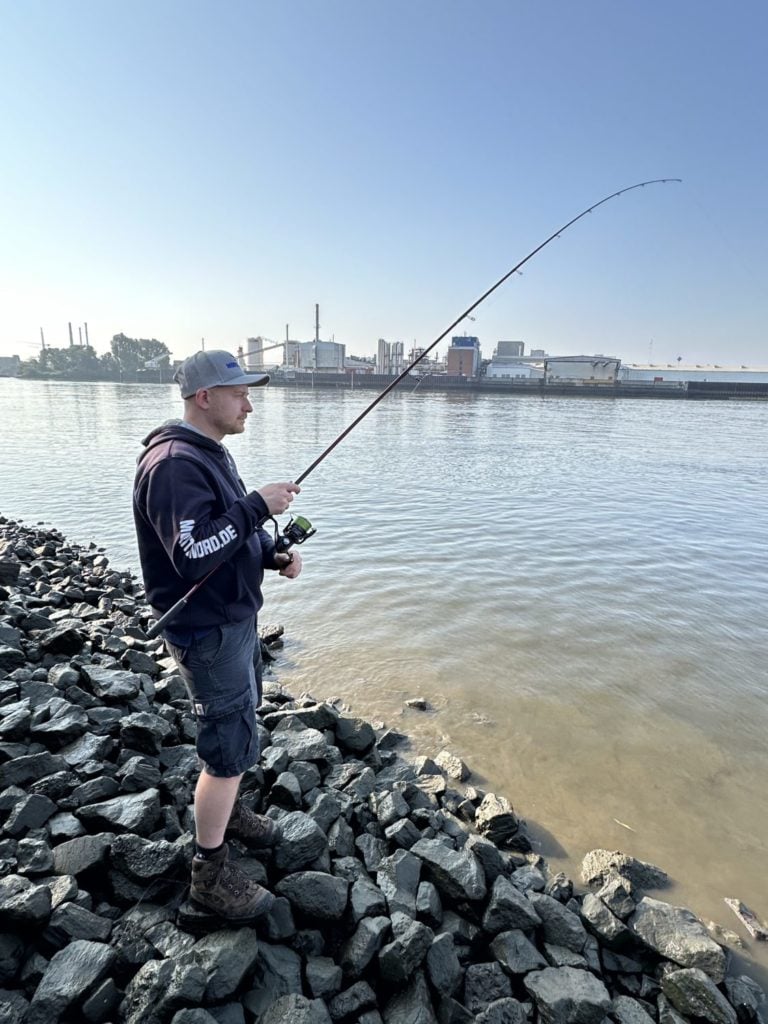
x=317 y=330
x=87 y=342
x=71 y=340
x=42 y=337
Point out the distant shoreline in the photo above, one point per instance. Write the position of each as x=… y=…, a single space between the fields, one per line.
x=666 y=390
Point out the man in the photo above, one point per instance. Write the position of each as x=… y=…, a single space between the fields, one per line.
x=193 y=514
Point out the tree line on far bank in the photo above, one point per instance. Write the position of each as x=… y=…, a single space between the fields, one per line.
x=128 y=359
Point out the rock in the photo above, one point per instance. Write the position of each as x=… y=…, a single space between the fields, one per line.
x=366 y=899
x=391 y=807
x=277 y=973
x=610 y=931
x=516 y=954
x=301 y=745
x=30 y=812
x=70 y=922
x=360 y=949
x=78 y=855
x=111 y=684
x=23 y=903
x=227 y=957
x=159 y=988
x=64 y=638
x=144 y=732
x=352 y=1001
x=452 y=765
x=323 y=977
x=443 y=967
x=296 y=1009
x=134 y=812
x=598 y=866
x=456 y=873
x=398 y=879
x=144 y=859
x=411 y=1005
x=678 y=935
x=561 y=927
x=30 y=768
x=71 y=973
x=13 y=1007
x=566 y=995
x=418 y=704
x=315 y=893
x=196 y=1016
x=508 y=909
x=617 y=894
x=694 y=994
x=428 y=905
x=301 y=842
x=483 y=984
x=354 y=735
x=400 y=958
x=503 y=1011
x=497 y=821
x=626 y=1010
x=745 y=996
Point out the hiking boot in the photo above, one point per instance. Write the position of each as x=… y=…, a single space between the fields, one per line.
x=253 y=829
x=222 y=888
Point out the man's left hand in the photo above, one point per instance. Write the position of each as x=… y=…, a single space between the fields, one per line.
x=292 y=569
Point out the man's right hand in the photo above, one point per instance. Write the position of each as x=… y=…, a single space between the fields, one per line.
x=278 y=497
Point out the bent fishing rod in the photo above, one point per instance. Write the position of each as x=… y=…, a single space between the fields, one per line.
x=299 y=529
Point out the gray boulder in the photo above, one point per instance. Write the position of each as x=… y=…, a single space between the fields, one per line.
x=70 y=974
x=508 y=908
x=598 y=866
x=315 y=893
x=678 y=935
x=694 y=994
x=302 y=841
x=226 y=956
x=561 y=926
x=135 y=812
x=567 y=995
x=456 y=873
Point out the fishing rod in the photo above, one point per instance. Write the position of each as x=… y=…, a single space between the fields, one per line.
x=324 y=454
x=300 y=529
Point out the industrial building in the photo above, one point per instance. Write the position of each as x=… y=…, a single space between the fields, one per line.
x=658 y=373
x=463 y=357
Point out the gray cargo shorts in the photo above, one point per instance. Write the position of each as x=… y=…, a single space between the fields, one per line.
x=222 y=673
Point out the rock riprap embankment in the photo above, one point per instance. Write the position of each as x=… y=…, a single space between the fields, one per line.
x=403 y=894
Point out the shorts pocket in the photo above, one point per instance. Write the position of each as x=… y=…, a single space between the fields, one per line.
x=227 y=740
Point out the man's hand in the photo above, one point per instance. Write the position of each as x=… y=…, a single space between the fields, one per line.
x=278 y=497
x=291 y=564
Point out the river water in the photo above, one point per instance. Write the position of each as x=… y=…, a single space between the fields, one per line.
x=578 y=587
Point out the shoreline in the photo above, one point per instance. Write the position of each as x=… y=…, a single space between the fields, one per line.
x=404 y=892
x=756 y=391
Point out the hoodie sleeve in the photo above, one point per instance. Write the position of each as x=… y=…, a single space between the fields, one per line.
x=180 y=505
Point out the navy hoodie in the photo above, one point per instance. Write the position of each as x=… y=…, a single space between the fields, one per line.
x=193 y=514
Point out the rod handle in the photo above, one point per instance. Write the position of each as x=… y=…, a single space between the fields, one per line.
x=163 y=621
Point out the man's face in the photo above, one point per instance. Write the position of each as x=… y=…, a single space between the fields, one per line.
x=227 y=409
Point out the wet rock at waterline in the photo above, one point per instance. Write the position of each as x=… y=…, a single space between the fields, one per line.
x=403 y=894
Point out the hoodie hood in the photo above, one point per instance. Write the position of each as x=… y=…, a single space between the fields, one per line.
x=175 y=430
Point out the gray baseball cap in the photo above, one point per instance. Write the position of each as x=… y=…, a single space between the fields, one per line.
x=214 y=369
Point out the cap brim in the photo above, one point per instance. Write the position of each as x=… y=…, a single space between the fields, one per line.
x=252 y=380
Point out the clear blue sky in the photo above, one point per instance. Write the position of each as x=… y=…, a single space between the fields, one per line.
x=182 y=170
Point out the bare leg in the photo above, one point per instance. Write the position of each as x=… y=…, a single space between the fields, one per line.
x=214 y=799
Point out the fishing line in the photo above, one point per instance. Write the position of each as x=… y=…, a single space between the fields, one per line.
x=302 y=529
